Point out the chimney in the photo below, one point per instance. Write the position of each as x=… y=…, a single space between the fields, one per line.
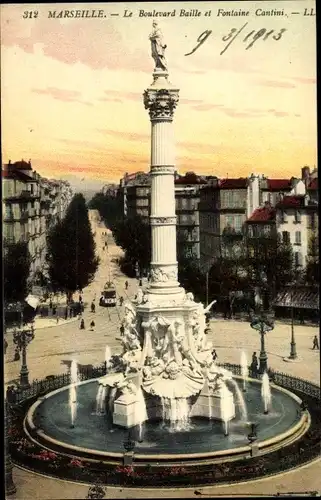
x=305 y=172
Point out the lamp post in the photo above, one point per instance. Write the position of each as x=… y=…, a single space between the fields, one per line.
x=207 y=272
x=293 y=354
x=263 y=323
x=21 y=339
x=10 y=486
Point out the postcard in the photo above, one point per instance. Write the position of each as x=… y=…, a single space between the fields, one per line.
x=160 y=248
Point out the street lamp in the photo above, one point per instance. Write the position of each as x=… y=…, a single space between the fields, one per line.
x=10 y=486
x=21 y=339
x=293 y=354
x=263 y=323
x=207 y=273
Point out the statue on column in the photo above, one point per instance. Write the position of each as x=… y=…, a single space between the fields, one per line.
x=158 y=48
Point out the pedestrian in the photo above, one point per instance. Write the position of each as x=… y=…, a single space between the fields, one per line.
x=121 y=301
x=255 y=363
x=140 y=282
x=92 y=325
x=122 y=330
x=103 y=248
x=93 y=307
x=82 y=324
x=126 y=285
x=5 y=345
x=214 y=355
x=16 y=354
x=50 y=304
x=57 y=318
x=315 y=343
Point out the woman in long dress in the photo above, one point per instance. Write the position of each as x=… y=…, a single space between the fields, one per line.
x=158 y=48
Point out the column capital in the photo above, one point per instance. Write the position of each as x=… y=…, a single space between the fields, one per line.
x=161 y=103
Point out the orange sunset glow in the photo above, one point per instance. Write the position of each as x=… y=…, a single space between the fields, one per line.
x=72 y=89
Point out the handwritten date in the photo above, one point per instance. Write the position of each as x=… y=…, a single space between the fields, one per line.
x=250 y=39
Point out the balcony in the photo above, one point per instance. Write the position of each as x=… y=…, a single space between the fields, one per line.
x=8 y=217
x=24 y=215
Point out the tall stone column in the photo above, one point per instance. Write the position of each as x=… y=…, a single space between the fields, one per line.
x=161 y=99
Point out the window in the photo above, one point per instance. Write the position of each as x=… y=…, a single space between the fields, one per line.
x=283 y=217
x=285 y=236
x=297 y=237
x=250 y=231
x=298 y=259
x=297 y=216
x=266 y=230
x=31 y=188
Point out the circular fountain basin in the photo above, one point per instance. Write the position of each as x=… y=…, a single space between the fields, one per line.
x=48 y=422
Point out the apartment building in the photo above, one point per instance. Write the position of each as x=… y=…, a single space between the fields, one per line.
x=187 y=198
x=293 y=224
x=30 y=205
x=222 y=212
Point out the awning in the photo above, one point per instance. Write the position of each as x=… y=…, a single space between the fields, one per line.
x=32 y=301
x=299 y=299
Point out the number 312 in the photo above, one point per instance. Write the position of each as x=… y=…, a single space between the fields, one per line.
x=29 y=14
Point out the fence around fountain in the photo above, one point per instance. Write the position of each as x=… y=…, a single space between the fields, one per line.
x=52 y=382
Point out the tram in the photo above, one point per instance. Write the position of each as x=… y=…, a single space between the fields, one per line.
x=108 y=295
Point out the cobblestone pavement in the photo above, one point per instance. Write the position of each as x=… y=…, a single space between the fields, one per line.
x=55 y=346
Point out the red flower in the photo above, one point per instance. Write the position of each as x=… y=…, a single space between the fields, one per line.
x=76 y=463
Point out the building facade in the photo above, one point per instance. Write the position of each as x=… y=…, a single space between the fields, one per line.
x=293 y=221
x=31 y=204
x=222 y=211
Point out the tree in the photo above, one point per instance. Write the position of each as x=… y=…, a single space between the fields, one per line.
x=72 y=263
x=110 y=208
x=312 y=268
x=270 y=265
x=133 y=235
x=16 y=269
x=191 y=278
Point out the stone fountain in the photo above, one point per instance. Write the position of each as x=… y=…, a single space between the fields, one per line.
x=165 y=351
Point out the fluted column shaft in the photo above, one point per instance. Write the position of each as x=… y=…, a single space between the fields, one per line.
x=161 y=103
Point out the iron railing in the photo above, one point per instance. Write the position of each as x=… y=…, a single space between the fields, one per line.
x=53 y=382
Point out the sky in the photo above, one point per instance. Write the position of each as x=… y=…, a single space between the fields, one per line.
x=72 y=88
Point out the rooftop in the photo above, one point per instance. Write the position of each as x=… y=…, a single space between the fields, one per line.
x=263 y=214
x=313 y=184
x=291 y=201
x=278 y=185
x=240 y=183
x=190 y=178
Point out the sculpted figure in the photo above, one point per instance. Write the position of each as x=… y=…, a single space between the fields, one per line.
x=158 y=48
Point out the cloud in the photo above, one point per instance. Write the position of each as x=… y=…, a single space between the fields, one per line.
x=126 y=136
x=100 y=47
x=124 y=95
x=62 y=95
x=275 y=84
x=302 y=79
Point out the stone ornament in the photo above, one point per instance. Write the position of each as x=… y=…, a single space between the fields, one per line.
x=160 y=103
x=157 y=221
x=160 y=169
x=158 y=275
x=158 y=48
